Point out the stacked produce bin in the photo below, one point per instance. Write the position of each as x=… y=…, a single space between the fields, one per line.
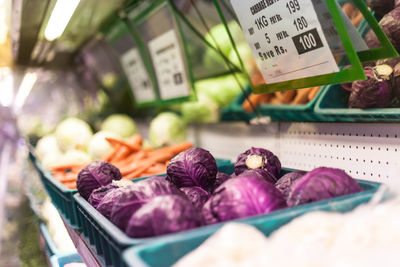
x=137 y=188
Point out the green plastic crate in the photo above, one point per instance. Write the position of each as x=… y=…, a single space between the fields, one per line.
x=50 y=246
x=168 y=251
x=286 y=112
x=107 y=241
x=333 y=106
x=61 y=196
x=61 y=260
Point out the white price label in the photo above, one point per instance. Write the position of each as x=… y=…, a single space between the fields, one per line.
x=169 y=66
x=286 y=38
x=137 y=76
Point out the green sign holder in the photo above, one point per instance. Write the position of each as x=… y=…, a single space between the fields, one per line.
x=114 y=32
x=140 y=13
x=345 y=74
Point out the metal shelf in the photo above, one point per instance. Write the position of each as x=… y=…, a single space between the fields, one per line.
x=88 y=258
x=368 y=151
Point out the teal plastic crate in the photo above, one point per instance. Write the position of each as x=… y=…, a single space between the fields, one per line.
x=50 y=246
x=107 y=241
x=61 y=196
x=235 y=112
x=168 y=251
x=287 y=112
x=333 y=105
x=60 y=260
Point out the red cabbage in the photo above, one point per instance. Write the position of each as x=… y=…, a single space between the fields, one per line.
x=193 y=167
x=258 y=158
x=381 y=7
x=106 y=204
x=95 y=175
x=264 y=174
x=242 y=197
x=163 y=215
x=97 y=195
x=390 y=24
x=396 y=80
x=133 y=197
x=321 y=183
x=371 y=93
x=220 y=179
x=284 y=184
x=197 y=195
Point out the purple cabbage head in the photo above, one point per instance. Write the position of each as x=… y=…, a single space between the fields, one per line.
x=390 y=25
x=370 y=93
x=197 y=195
x=95 y=175
x=220 y=179
x=133 y=197
x=321 y=183
x=240 y=197
x=381 y=7
x=286 y=181
x=396 y=80
x=106 y=204
x=193 y=167
x=163 y=215
x=97 y=195
x=258 y=158
x=262 y=173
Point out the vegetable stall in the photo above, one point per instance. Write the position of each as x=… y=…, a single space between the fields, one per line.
x=200 y=133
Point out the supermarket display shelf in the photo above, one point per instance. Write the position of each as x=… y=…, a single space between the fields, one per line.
x=88 y=258
x=364 y=150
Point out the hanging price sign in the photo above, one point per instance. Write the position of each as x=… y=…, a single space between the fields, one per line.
x=169 y=66
x=138 y=78
x=286 y=38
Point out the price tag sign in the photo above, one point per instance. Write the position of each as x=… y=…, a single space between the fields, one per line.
x=169 y=66
x=137 y=76
x=286 y=38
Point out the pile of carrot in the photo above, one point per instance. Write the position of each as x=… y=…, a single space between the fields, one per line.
x=67 y=174
x=129 y=157
x=134 y=161
x=291 y=97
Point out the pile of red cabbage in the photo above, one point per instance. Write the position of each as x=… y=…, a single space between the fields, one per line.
x=382 y=87
x=194 y=193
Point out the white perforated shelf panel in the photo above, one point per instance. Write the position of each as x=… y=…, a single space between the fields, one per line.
x=228 y=140
x=365 y=151
x=369 y=151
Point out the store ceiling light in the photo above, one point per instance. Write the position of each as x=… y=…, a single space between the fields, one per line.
x=27 y=84
x=7 y=86
x=59 y=18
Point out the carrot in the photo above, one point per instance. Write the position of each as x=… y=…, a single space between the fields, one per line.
x=313 y=93
x=286 y=97
x=275 y=101
x=302 y=96
x=265 y=98
x=135 y=140
x=65 y=167
x=71 y=185
x=356 y=20
x=252 y=101
x=114 y=141
x=173 y=149
x=131 y=159
x=147 y=163
x=112 y=154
